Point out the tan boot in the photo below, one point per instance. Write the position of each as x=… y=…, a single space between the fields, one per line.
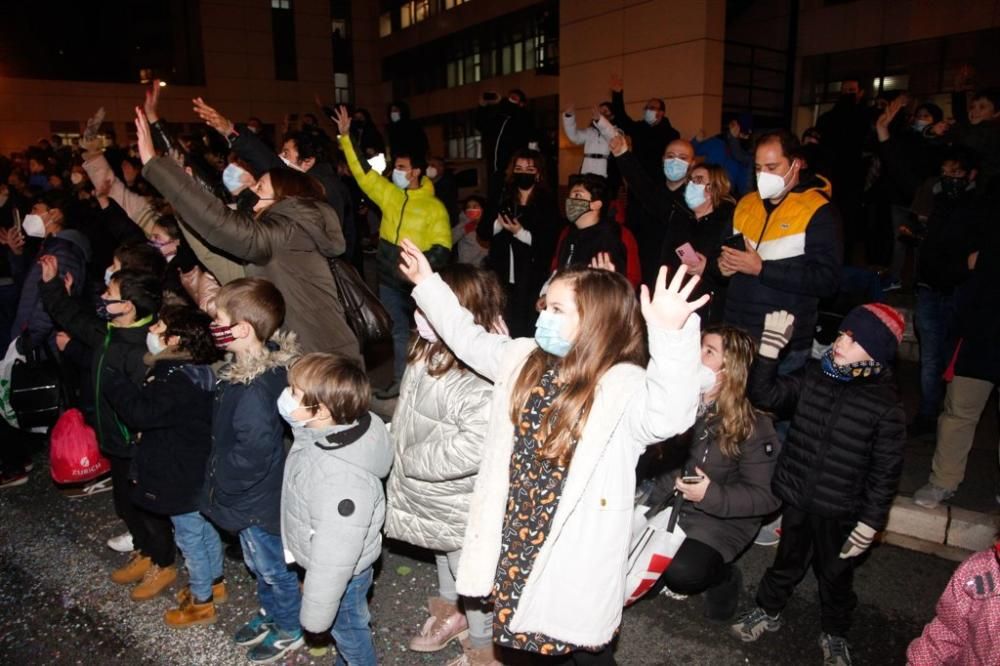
x=219 y=594
x=153 y=582
x=190 y=614
x=471 y=656
x=136 y=567
x=445 y=625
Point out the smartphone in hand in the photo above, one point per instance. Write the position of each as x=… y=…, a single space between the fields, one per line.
x=692 y=479
x=737 y=242
x=687 y=255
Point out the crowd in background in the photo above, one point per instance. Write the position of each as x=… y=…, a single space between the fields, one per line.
x=184 y=281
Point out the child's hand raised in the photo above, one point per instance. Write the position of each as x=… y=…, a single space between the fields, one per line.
x=50 y=267
x=412 y=263
x=669 y=308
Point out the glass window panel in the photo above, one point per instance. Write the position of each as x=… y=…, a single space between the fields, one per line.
x=405 y=15
x=385 y=25
x=506 y=66
x=452 y=76
x=519 y=57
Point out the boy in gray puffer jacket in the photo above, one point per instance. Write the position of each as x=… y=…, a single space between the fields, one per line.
x=332 y=501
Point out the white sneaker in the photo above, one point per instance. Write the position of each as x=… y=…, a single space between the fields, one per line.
x=121 y=543
x=770 y=534
x=930 y=496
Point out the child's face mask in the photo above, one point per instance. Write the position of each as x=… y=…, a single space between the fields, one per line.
x=287 y=406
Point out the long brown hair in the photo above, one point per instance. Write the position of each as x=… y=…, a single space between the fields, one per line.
x=291 y=183
x=736 y=416
x=479 y=292
x=611 y=331
x=538 y=161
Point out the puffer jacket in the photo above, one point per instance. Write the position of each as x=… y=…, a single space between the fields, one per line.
x=290 y=244
x=415 y=214
x=243 y=480
x=332 y=510
x=844 y=453
x=173 y=414
x=439 y=430
x=739 y=496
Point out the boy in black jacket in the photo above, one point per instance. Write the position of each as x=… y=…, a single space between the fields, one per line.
x=839 y=470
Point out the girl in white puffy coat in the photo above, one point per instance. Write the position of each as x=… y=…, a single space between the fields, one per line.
x=438 y=430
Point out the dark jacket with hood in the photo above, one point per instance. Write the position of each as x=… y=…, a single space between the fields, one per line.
x=506 y=128
x=72 y=250
x=979 y=311
x=844 y=453
x=247 y=461
x=650 y=141
x=290 y=244
x=127 y=346
x=261 y=159
x=577 y=247
x=739 y=495
x=172 y=413
x=953 y=229
x=406 y=136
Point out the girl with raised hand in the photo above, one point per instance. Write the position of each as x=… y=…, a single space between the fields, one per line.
x=572 y=410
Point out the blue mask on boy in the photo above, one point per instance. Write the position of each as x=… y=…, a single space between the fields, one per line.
x=547 y=334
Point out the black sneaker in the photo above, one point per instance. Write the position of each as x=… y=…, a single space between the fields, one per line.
x=836 y=651
x=254 y=631
x=13 y=478
x=752 y=624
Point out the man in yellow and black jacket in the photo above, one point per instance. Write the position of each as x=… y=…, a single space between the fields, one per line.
x=791 y=233
x=409 y=210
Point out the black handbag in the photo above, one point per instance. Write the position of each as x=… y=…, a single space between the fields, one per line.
x=364 y=312
x=37 y=388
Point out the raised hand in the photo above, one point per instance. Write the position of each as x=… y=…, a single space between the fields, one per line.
x=778 y=327
x=602 y=261
x=616 y=83
x=68 y=282
x=213 y=118
x=152 y=101
x=669 y=308
x=50 y=267
x=618 y=145
x=93 y=126
x=144 y=138
x=15 y=240
x=412 y=262
x=343 y=120
x=884 y=120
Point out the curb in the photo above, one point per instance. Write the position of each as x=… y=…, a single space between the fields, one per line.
x=947 y=531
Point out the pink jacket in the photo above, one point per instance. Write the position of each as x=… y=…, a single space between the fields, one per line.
x=966 y=630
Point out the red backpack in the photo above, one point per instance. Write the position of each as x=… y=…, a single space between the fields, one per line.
x=73 y=454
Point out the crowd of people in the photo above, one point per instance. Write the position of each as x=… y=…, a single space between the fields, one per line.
x=654 y=336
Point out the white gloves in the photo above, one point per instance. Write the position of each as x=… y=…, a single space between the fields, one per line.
x=858 y=542
x=777 y=332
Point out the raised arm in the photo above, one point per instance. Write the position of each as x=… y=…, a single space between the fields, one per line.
x=766 y=389
x=574 y=134
x=652 y=195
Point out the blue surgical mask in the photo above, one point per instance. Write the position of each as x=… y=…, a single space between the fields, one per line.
x=232 y=178
x=694 y=194
x=675 y=168
x=649 y=116
x=548 y=336
x=920 y=125
x=394 y=116
x=400 y=179
x=107 y=276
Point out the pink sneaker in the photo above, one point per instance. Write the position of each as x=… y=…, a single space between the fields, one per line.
x=445 y=625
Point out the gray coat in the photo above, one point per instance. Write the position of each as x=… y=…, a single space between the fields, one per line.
x=290 y=244
x=439 y=430
x=739 y=495
x=332 y=510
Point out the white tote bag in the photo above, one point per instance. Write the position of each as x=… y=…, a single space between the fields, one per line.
x=655 y=541
x=6 y=365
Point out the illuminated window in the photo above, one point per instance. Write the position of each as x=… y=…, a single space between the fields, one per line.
x=421 y=10
x=451 y=4
x=385 y=25
x=342 y=88
x=281 y=4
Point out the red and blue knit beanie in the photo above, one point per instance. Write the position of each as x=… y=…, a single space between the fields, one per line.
x=878 y=328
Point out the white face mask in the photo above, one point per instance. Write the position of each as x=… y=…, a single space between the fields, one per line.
x=771 y=185
x=34 y=226
x=394 y=116
x=424 y=328
x=432 y=172
x=290 y=164
x=707 y=379
x=400 y=179
x=154 y=343
x=287 y=404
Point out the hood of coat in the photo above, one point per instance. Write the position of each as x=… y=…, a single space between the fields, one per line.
x=317 y=219
x=76 y=238
x=357 y=443
x=280 y=351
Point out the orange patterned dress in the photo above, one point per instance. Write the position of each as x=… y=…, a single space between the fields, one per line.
x=535 y=488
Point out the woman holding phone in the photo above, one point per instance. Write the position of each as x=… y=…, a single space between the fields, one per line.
x=708 y=195
x=726 y=480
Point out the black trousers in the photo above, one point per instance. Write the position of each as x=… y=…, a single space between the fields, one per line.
x=152 y=534
x=16 y=447
x=811 y=540
x=695 y=568
x=605 y=657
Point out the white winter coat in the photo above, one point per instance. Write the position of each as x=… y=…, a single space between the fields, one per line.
x=576 y=588
x=593 y=144
x=438 y=431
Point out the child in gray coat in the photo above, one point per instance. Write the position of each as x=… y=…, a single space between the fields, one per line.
x=332 y=501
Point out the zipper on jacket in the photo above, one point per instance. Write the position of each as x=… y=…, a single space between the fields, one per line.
x=825 y=443
x=767 y=220
x=402 y=211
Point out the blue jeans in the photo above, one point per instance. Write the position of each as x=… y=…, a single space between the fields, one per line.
x=277 y=585
x=202 y=550
x=400 y=306
x=350 y=628
x=935 y=321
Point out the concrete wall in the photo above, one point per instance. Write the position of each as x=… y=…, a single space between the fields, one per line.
x=661 y=48
x=239 y=75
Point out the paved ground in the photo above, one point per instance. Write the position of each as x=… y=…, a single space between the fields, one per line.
x=57 y=605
